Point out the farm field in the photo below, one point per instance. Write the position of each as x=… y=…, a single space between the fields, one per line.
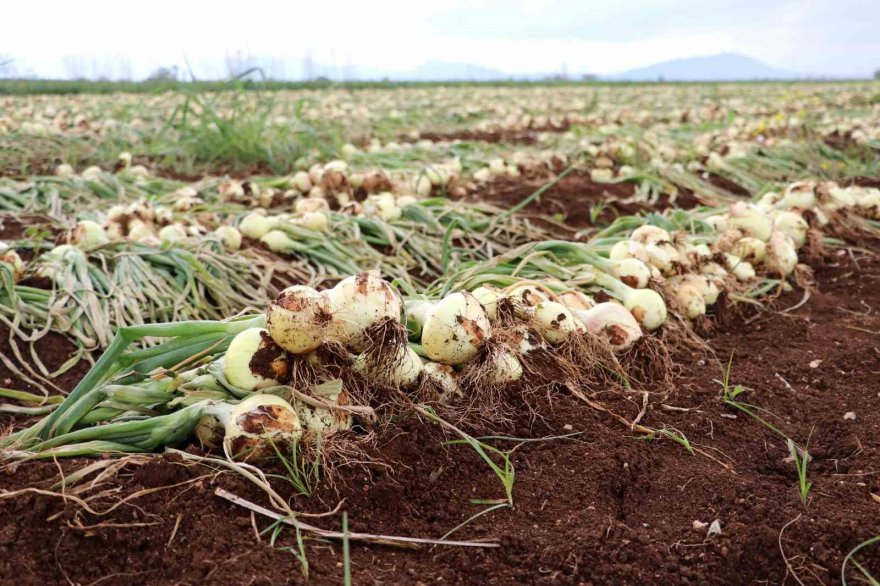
x=441 y=334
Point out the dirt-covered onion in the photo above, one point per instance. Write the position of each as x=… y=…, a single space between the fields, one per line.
x=358 y=303
x=488 y=296
x=750 y=220
x=443 y=380
x=455 y=329
x=88 y=234
x=229 y=237
x=555 y=322
x=254 y=361
x=401 y=371
x=688 y=299
x=613 y=322
x=172 y=233
x=781 y=254
x=526 y=294
x=325 y=421
x=792 y=225
x=10 y=257
x=298 y=319
x=258 y=426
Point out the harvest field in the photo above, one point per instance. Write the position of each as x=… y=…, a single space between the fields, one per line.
x=441 y=334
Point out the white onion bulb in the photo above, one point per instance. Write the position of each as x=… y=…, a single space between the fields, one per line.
x=253 y=361
x=455 y=328
x=358 y=303
x=298 y=319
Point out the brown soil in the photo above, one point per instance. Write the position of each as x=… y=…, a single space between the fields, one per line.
x=598 y=508
x=526 y=136
x=575 y=199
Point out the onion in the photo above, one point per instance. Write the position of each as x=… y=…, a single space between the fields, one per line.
x=663 y=256
x=648 y=234
x=444 y=380
x=646 y=305
x=229 y=237
x=750 y=220
x=792 y=225
x=741 y=269
x=526 y=294
x=139 y=231
x=575 y=300
x=497 y=167
x=256 y=225
x=311 y=204
x=382 y=206
x=628 y=249
x=613 y=322
x=358 y=303
x=10 y=257
x=258 y=426
x=841 y=197
x=316 y=221
x=555 y=322
x=781 y=254
x=505 y=368
x=298 y=318
x=301 y=182
x=325 y=421
x=800 y=195
x=688 y=299
x=253 y=361
x=488 y=297
x=750 y=249
x=455 y=329
x=768 y=201
x=403 y=372
x=172 y=233
x=88 y=234
x=708 y=289
x=278 y=241
x=633 y=272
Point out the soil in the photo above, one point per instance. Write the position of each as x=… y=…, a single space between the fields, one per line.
x=575 y=200
x=509 y=136
x=601 y=507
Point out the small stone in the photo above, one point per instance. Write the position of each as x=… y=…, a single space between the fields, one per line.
x=849 y=416
x=699 y=526
x=714 y=528
x=815 y=363
x=567 y=427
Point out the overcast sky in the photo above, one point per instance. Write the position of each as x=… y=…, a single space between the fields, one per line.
x=366 y=37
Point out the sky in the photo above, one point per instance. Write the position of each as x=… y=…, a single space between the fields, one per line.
x=372 y=38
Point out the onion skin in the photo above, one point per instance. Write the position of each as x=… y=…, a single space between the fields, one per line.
x=555 y=322
x=613 y=322
x=792 y=225
x=88 y=234
x=444 y=380
x=356 y=304
x=488 y=296
x=526 y=294
x=455 y=329
x=258 y=425
x=253 y=361
x=229 y=236
x=298 y=318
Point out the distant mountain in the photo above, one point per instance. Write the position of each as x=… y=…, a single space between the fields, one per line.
x=449 y=71
x=720 y=67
